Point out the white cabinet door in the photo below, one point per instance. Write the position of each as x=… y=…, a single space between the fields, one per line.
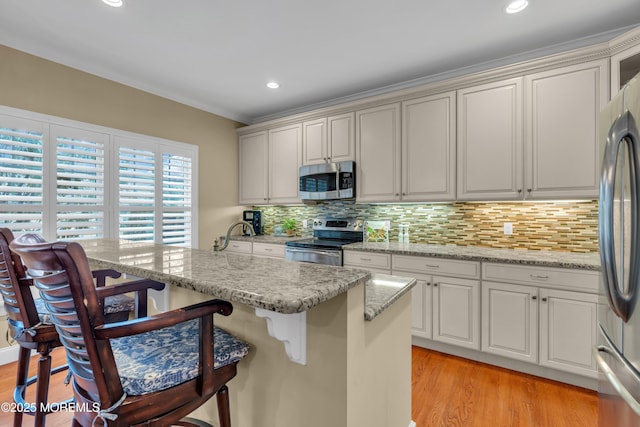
x=421 y=303
x=490 y=141
x=456 y=311
x=562 y=108
x=510 y=321
x=429 y=148
x=568 y=331
x=378 y=154
x=285 y=159
x=342 y=137
x=421 y=311
x=314 y=142
x=254 y=168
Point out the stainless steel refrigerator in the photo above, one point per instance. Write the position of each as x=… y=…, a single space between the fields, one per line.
x=618 y=350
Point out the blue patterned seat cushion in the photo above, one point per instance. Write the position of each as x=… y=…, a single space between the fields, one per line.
x=161 y=359
x=113 y=304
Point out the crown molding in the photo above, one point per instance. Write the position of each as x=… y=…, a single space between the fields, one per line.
x=601 y=47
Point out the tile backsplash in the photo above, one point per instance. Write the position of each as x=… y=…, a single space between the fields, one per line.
x=568 y=226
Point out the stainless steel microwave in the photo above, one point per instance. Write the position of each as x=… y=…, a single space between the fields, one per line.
x=328 y=181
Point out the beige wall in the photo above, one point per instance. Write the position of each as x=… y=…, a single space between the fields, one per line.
x=31 y=83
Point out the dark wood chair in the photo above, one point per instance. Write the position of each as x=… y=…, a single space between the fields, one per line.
x=30 y=326
x=152 y=371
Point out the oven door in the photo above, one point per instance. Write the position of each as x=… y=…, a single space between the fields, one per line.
x=316 y=256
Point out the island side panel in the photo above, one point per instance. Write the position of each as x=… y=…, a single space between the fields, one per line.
x=272 y=391
x=379 y=365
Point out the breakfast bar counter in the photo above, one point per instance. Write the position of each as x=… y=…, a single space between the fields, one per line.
x=354 y=332
x=270 y=284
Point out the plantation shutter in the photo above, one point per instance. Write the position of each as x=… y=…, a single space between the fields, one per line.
x=177 y=188
x=80 y=183
x=136 y=193
x=22 y=192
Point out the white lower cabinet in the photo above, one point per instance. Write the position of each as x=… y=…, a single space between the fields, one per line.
x=526 y=317
x=568 y=322
x=239 y=247
x=421 y=304
x=510 y=320
x=456 y=311
x=371 y=261
x=272 y=250
x=444 y=308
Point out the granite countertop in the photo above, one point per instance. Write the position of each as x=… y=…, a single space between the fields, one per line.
x=382 y=290
x=472 y=253
x=269 y=283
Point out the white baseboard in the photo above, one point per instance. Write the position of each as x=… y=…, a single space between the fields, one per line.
x=9 y=354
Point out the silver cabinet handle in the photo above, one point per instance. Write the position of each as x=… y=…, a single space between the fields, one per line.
x=539 y=277
x=534 y=297
x=604 y=367
x=365 y=259
x=432 y=265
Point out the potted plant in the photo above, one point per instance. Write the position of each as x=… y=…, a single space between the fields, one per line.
x=289 y=224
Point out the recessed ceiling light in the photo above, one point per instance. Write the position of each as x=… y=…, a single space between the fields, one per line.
x=114 y=3
x=273 y=85
x=517 y=6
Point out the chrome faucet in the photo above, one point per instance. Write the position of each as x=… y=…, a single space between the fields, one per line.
x=216 y=245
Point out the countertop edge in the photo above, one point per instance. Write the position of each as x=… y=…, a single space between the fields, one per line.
x=379 y=297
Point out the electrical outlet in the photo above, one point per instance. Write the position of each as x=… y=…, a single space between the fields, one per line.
x=304 y=223
x=508 y=228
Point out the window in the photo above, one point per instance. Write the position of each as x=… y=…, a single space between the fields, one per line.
x=68 y=180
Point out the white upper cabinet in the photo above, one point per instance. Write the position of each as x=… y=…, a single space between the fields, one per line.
x=429 y=148
x=314 y=141
x=625 y=62
x=562 y=107
x=285 y=159
x=342 y=137
x=533 y=137
x=378 y=154
x=490 y=141
x=329 y=139
x=269 y=163
x=254 y=168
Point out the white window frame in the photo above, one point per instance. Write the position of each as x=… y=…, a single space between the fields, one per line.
x=115 y=137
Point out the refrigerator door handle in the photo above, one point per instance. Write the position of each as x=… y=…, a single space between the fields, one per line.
x=623 y=131
x=619 y=387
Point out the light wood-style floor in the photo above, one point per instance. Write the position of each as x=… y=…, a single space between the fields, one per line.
x=454 y=392
x=448 y=391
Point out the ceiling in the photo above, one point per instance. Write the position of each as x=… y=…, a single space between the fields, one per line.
x=218 y=56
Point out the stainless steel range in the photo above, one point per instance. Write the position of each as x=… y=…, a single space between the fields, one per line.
x=329 y=236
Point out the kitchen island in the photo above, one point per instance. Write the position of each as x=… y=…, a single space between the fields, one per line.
x=355 y=372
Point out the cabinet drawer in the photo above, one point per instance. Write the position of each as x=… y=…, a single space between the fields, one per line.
x=439 y=266
x=563 y=278
x=239 y=247
x=269 y=249
x=367 y=259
